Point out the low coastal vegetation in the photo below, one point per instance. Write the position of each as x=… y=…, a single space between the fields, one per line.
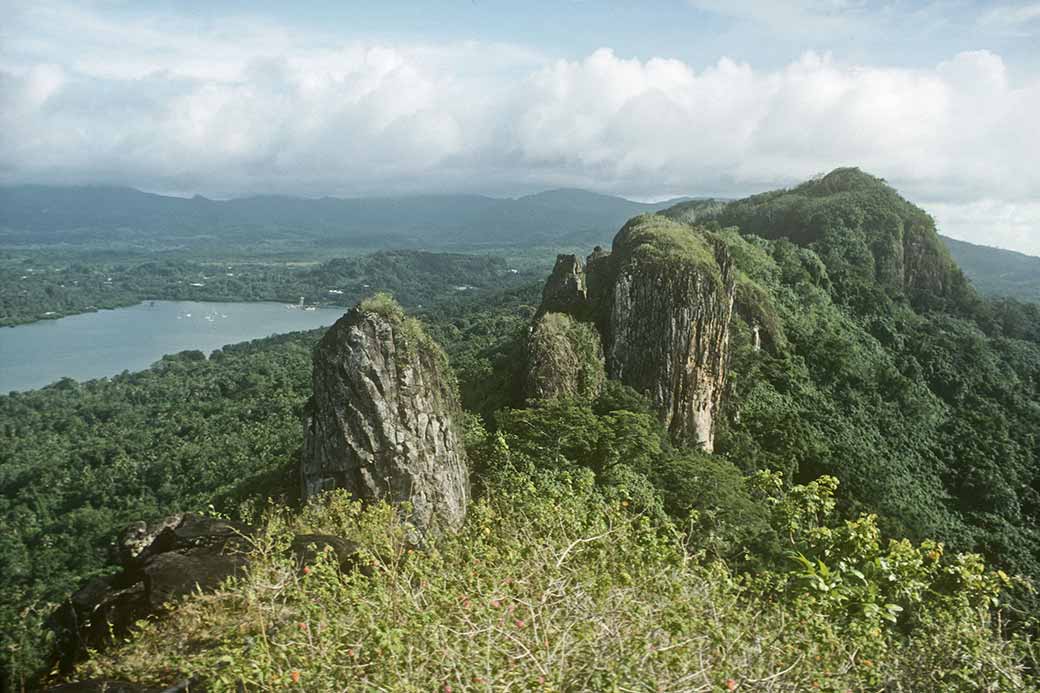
x=35 y=286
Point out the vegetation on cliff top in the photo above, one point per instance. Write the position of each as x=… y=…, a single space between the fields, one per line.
x=655 y=238
x=863 y=228
x=564 y=358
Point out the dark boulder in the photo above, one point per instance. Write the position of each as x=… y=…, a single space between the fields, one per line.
x=186 y=552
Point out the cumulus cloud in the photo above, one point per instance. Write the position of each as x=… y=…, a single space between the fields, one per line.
x=248 y=108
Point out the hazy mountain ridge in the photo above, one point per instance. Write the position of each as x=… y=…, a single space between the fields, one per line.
x=43 y=214
x=37 y=215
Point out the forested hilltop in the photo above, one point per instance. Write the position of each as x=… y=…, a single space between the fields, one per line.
x=778 y=443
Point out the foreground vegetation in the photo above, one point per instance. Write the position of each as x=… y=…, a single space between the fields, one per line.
x=555 y=585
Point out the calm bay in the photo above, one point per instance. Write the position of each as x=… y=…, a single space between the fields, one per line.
x=105 y=343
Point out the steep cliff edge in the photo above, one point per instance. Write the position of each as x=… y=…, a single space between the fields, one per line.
x=382 y=419
x=661 y=303
x=670 y=308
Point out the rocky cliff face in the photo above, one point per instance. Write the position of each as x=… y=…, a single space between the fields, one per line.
x=670 y=339
x=381 y=422
x=565 y=291
x=159 y=564
x=661 y=302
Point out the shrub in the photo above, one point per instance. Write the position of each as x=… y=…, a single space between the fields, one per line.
x=553 y=586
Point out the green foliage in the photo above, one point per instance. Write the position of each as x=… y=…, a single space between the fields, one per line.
x=484 y=337
x=552 y=585
x=887 y=401
x=875 y=244
x=383 y=304
x=78 y=462
x=710 y=496
x=657 y=239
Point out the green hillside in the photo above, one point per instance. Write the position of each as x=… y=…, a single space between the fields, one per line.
x=998 y=272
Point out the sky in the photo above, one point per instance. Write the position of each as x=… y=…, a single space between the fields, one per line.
x=647 y=100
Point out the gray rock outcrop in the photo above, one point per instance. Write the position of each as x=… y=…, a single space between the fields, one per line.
x=662 y=302
x=669 y=327
x=382 y=420
x=159 y=563
x=565 y=290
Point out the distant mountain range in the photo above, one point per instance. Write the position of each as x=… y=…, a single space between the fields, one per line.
x=33 y=214
x=128 y=219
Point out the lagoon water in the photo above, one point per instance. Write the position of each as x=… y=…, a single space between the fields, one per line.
x=105 y=343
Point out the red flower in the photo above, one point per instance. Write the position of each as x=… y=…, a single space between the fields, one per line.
x=519 y=623
x=731 y=684
x=306 y=570
x=295 y=677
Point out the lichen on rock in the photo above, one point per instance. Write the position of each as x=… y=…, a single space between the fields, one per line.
x=670 y=311
x=382 y=419
x=564 y=359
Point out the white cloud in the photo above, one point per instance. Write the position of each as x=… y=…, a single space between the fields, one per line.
x=249 y=107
